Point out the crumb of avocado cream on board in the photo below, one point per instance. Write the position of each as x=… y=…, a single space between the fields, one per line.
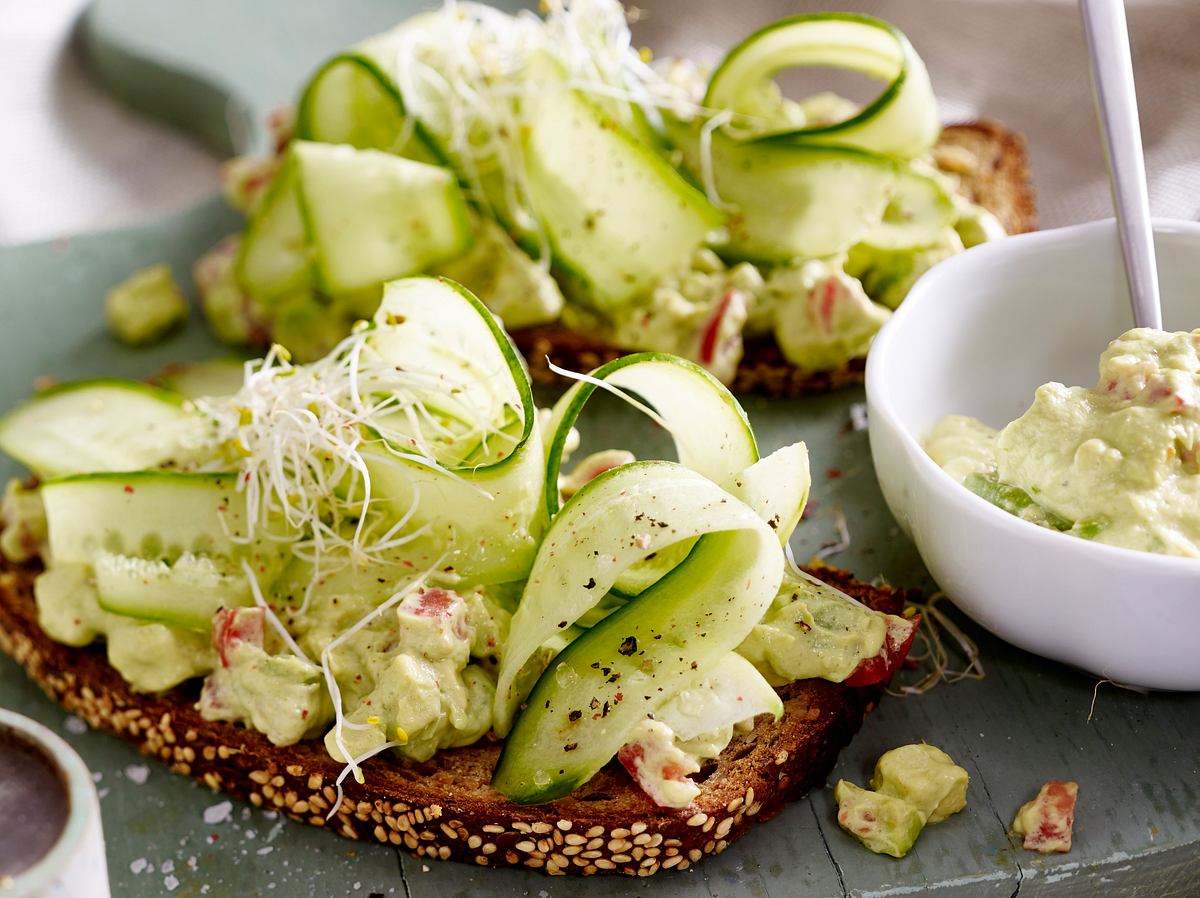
x=145 y=307
x=1047 y=822
x=1118 y=463
x=913 y=785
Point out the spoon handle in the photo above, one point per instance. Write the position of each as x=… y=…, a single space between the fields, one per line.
x=1107 y=36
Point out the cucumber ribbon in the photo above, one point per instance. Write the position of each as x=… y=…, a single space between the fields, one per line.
x=342 y=220
x=695 y=546
x=712 y=437
x=486 y=504
x=902 y=121
x=593 y=693
x=351 y=100
x=710 y=429
x=802 y=189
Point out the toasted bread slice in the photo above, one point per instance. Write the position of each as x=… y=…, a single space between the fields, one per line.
x=445 y=808
x=993 y=169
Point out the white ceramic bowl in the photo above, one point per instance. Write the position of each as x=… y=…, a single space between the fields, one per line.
x=976 y=336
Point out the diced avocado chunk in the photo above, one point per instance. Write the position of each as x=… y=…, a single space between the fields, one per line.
x=913 y=785
x=281 y=696
x=883 y=823
x=145 y=307
x=925 y=777
x=826 y=319
x=154 y=657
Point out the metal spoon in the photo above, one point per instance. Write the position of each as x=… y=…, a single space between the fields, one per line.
x=1116 y=104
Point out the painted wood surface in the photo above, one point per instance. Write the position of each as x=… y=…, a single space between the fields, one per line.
x=217 y=68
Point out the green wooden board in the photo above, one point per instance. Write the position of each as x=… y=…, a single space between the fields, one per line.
x=217 y=68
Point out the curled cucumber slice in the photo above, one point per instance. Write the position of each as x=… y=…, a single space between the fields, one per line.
x=902 y=121
x=919 y=211
x=350 y=100
x=632 y=511
x=481 y=506
x=776 y=487
x=274 y=258
x=587 y=701
x=789 y=201
x=711 y=431
x=372 y=216
x=192 y=380
x=712 y=437
x=731 y=691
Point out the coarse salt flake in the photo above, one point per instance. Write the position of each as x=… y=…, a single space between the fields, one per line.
x=218 y=813
x=137 y=773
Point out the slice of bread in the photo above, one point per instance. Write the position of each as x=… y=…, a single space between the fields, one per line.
x=445 y=808
x=993 y=168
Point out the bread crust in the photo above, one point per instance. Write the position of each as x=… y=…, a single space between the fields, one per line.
x=999 y=179
x=993 y=170
x=445 y=808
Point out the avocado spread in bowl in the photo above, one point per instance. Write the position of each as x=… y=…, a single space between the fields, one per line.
x=1116 y=463
x=1109 y=581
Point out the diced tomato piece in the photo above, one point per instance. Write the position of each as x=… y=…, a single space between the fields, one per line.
x=435 y=603
x=633 y=752
x=632 y=756
x=236 y=625
x=827 y=304
x=673 y=772
x=896 y=642
x=708 y=340
x=629 y=754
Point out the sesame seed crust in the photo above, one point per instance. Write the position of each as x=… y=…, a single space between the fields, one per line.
x=445 y=809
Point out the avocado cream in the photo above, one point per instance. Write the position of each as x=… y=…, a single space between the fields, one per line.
x=144 y=308
x=913 y=785
x=1118 y=463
